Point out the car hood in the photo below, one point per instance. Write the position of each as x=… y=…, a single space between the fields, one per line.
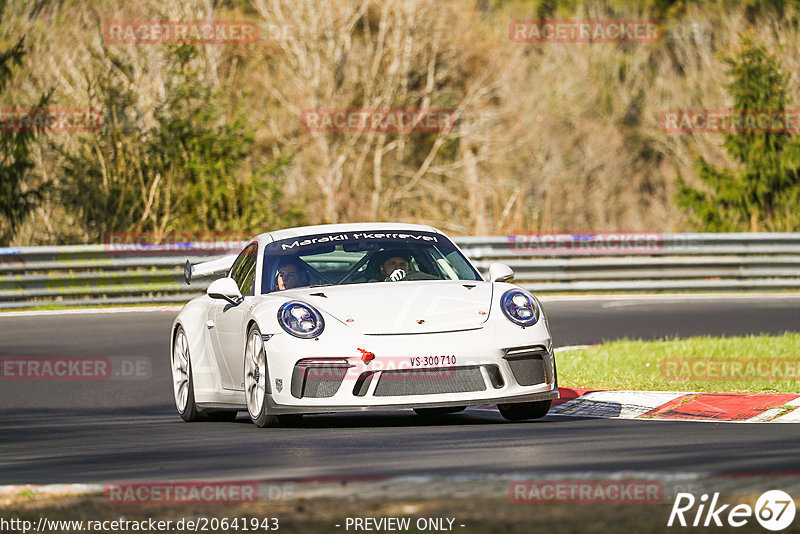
x=411 y=307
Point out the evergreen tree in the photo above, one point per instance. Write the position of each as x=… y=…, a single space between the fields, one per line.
x=763 y=193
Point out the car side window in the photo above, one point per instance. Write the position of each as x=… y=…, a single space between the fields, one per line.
x=243 y=270
x=248 y=285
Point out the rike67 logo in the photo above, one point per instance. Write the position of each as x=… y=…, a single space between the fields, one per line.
x=774 y=510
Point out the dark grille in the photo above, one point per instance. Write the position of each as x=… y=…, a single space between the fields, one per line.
x=495 y=377
x=317 y=381
x=528 y=368
x=402 y=382
x=362 y=383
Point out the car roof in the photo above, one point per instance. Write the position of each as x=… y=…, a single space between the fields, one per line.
x=346 y=227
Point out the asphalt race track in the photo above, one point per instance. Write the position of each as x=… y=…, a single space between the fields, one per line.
x=115 y=430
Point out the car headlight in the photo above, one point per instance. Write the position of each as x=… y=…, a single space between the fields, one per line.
x=519 y=307
x=300 y=319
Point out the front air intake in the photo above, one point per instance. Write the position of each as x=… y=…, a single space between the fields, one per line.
x=398 y=383
x=318 y=379
x=527 y=365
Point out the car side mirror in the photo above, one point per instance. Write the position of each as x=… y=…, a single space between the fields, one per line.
x=225 y=289
x=500 y=272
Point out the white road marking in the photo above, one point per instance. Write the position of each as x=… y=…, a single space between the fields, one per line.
x=616 y=404
x=791 y=417
x=89 y=311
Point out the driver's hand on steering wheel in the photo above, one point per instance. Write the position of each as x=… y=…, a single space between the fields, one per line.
x=397 y=275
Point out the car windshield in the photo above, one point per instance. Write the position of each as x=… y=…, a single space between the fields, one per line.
x=362 y=257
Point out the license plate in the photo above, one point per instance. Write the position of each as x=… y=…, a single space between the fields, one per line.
x=432 y=361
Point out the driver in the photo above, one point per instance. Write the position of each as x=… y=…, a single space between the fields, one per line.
x=395 y=267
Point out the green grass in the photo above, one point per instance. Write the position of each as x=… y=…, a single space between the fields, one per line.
x=752 y=364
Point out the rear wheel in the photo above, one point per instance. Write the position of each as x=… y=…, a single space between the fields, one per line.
x=524 y=410
x=438 y=412
x=182 y=381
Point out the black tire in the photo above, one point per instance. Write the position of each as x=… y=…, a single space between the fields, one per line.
x=190 y=413
x=258 y=414
x=524 y=410
x=438 y=412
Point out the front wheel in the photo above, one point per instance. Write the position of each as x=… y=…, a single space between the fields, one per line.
x=524 y=410
x=255 y=380
x=182 y=381
x=255 y=384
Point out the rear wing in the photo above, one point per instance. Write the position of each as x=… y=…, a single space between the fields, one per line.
x=207 y=268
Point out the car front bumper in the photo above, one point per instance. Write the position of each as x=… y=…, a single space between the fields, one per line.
x=279 y=409
x=474 y=369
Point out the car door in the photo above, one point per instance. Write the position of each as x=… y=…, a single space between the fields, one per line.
x=230 y=320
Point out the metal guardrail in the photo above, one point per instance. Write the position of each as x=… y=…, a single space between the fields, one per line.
x=557 y=263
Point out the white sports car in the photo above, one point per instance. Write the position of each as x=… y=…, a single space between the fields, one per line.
x=353 y=317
